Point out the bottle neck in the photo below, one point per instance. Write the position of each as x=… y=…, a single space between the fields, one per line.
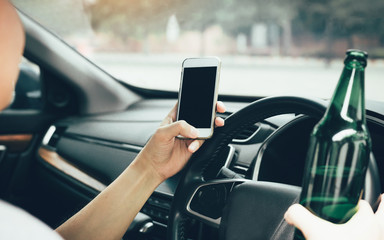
x=348 y=101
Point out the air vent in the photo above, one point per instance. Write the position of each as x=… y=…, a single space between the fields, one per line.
x=256 y=133
x=53 y=135
x=240 y=170
x=234 y=165
x=247 y=133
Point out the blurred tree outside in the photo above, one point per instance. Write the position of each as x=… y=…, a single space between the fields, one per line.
x=135 y=19
x=314 y=28
x=286 y=23
x=356 y=22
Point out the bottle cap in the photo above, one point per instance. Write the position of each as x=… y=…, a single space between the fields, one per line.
x=355 y=54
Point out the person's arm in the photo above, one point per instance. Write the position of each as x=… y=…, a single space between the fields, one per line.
x=363 y=225
x=109 y=215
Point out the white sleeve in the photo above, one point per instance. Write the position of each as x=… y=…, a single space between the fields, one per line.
x=16 y=223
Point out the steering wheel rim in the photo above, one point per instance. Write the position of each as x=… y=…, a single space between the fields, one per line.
x=193 y=174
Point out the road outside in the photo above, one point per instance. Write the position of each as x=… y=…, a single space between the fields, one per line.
x=242 y=75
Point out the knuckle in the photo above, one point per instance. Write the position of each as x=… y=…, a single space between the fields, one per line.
x=182 y=125
x=160 y=132
x=182 y=122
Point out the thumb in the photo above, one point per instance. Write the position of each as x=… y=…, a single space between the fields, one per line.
x=304 y=220
x=181 y=128
x=364 y=212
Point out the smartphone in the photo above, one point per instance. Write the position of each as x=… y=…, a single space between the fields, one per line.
x=198 y=94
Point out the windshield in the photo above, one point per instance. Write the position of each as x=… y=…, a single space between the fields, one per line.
x=267 y=47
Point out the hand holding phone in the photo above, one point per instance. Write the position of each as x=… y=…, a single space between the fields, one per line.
x=198 y=94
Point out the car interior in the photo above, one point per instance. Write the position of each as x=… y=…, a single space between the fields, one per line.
x=73 y=128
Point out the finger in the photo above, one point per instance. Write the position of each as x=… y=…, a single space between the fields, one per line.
x=173 y=112
x=220 y=107
x=195 y=145
x=219 y=122
x=380 y=209
x=366 y=221
x=171 y=117
x=379 y=215
x=364 y=212
x=179 y=128
x=304 y=220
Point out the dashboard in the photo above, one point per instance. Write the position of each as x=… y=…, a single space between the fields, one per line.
x=88 y=153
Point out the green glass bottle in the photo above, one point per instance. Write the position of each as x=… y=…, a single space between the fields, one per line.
x=339 y=149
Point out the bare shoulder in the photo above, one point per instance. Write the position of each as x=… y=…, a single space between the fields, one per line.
x=10 y=22
x=12 y=42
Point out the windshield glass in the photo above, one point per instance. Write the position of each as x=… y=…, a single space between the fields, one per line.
x=267 y=47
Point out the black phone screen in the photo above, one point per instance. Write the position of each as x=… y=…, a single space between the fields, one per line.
x=197 y=92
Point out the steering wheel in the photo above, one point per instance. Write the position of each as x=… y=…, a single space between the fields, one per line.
x=242 y=209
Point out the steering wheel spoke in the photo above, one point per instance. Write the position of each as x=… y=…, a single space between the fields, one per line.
x=209 y=199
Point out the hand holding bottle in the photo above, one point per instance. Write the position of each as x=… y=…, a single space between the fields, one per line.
x=363 y=225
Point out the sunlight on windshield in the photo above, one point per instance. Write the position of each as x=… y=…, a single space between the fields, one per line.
x=266 y=47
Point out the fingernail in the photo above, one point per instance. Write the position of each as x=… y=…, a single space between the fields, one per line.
x=193 y=146
x=221 y=121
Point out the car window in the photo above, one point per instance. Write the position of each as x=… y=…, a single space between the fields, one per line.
x=27 y=94
x=267 y=47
